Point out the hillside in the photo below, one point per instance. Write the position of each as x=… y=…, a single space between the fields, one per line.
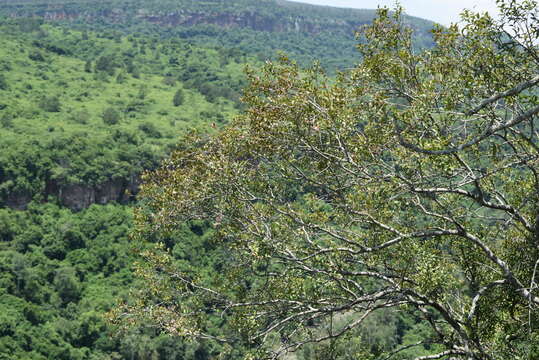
x=82 y=115
x=260 y=27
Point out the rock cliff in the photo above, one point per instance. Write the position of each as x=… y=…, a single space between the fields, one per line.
x=284 y=17
x=80 y=196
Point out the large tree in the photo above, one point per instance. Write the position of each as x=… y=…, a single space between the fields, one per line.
x=410 y=182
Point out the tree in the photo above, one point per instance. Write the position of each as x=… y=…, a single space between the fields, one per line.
x=142 y=92
x=88 y=66
x=105 y=63
x=3 y=82
x=67 y=284
x=81 y=116
x=135 y=72
x=410 y=182
x=50 y=103
x=110 y=116
x=121 y=77
x=179 y=98
x=150 y=129
x=6 y=120
x=36 y=56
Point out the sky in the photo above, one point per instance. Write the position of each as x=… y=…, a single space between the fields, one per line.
x=441 y=11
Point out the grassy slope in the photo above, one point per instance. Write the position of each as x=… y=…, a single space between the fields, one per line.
x=72 y=143
x=64 y=76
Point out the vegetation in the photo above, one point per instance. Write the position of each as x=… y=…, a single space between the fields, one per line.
x=80 y=124
x=60 y=272
x=257 y=27
x=407 y=185
x=178 y=98
x=380 y=213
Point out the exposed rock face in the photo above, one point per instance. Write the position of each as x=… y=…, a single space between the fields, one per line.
x=113 y=190
x=247 y=19
x=18 y=201
x=78 y=197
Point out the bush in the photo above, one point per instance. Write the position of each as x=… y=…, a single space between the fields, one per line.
x=50 y=104
x=110 y=116
x=6 y=120
x=88 y=66
x=150 y=130
x=178 y=98
x=142 y=92
x=80 y=117
x=105 y=63
x=36 y=56
x=135 y=73
x=169 y=81
x=3 y=82
x=121 y=77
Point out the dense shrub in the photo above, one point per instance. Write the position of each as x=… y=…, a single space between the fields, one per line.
x=110 y=116
x=150 y=130
x=178 y=98
x=3 y=82
x=50 y=103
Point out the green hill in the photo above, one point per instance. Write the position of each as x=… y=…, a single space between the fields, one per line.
x=260 y=27
x=83 y=115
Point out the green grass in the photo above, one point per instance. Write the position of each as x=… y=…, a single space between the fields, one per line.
x=64 y=77
x=52 y=122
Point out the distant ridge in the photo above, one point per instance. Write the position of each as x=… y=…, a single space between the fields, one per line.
x=304 y=31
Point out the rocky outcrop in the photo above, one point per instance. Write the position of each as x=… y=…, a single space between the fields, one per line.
x=249 y=20
x=78 y=197
x=18 y=200
x=113 y=190
x=246 y=19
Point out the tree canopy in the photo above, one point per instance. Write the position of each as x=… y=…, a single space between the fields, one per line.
x=410 y=182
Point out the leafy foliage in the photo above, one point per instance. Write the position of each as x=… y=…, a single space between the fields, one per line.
x=60 y=271
x=50 y=104
x=406 y=184
x=110 y=116
x=178 y=98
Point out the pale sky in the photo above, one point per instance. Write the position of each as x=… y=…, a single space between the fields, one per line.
x=441 y=11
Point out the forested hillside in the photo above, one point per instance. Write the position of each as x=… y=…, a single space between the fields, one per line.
x=82 y=115
x=258 y=27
